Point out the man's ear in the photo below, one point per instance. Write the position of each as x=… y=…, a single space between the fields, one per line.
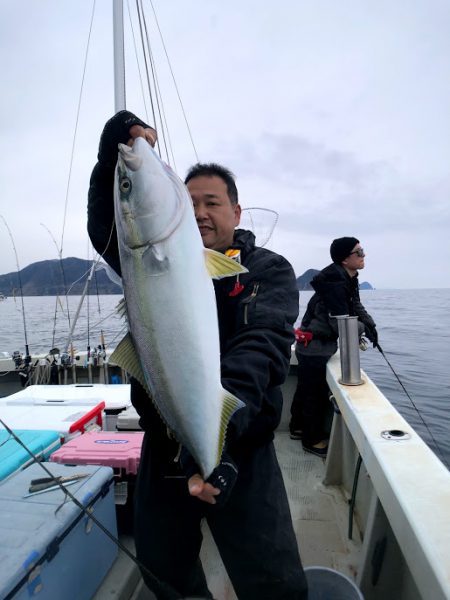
x=237 y=214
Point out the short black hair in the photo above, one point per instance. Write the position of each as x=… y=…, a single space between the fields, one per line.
x=215 y=170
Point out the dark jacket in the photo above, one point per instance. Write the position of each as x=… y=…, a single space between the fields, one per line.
x=336 y=293
x=256 y=325
x=256 y=329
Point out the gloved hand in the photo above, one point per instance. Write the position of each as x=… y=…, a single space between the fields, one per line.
x=116 y=131
x=223 y=477
x=371 y=333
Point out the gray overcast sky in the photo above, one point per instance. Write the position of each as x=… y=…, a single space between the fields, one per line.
x=335 y=114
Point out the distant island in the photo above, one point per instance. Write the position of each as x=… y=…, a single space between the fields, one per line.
x=304 y=281
x=57 y=278
x=68 y=276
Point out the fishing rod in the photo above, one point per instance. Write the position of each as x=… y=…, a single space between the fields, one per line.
x=380 y=349
x=100 y=354
x=27 y=359
x=61 y=265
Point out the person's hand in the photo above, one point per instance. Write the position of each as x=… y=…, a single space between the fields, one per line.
x=122 y=128
x=201 y=489
x=147 y=133
x=372 y=334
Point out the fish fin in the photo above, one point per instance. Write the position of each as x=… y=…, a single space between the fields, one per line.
x=125 y=356
x=230 y=404
x=218 y=265
x=156 y=261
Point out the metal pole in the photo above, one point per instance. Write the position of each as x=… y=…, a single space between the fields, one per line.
x=119 y=56
x=349 y=350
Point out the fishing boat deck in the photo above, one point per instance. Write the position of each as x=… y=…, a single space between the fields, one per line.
x=318 y=513
x=401 y=524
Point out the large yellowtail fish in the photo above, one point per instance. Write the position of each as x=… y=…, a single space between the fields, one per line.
x=172 y=347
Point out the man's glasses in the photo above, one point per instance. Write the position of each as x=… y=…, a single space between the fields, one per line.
x=359 y=252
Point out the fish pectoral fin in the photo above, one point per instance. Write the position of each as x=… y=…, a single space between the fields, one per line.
x=156 y=261
x=230 y=404
x=125 y=356
x=218 y=265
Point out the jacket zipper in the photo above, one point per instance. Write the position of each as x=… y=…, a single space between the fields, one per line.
x=247 y=301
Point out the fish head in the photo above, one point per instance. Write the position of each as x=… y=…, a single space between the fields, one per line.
x=148 y=203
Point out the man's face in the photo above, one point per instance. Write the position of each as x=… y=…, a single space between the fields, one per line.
x=216 y=216
x=353 y=262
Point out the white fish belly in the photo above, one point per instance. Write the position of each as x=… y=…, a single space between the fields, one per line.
x=173 y=320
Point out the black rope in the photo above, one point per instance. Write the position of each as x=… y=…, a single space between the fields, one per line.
x=352 y=500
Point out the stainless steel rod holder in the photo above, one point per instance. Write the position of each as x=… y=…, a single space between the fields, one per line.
x=349 y=350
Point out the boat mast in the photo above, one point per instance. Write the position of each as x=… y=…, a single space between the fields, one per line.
x=119 y=56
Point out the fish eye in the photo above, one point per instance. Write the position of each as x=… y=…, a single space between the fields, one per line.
x=125 y=185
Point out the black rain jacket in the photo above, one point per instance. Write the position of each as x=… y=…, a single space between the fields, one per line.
x=336 y=293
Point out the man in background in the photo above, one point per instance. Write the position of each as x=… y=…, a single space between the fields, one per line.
x=336 y=293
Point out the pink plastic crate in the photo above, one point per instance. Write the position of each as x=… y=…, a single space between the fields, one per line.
x=114 y=449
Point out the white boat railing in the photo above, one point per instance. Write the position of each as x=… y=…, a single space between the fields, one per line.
x=402 y=497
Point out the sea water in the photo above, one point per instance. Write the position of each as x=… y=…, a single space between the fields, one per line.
x=413 y=328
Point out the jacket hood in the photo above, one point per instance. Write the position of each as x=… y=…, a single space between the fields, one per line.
x=244 y=240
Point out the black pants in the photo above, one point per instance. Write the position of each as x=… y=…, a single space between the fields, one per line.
x=311 y=408
x=253 y=531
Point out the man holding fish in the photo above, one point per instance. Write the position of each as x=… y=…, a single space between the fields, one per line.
x=210 y=318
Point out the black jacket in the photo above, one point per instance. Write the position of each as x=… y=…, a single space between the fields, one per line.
x=336 y=293
x=256 y=326
x=256 y=329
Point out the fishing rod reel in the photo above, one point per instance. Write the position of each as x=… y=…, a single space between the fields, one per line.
x=23 y=367
x=17 y=359
x=66 y=359
x=21 y=361
x=98 y=354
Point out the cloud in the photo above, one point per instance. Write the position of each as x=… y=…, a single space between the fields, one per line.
x=326 y=187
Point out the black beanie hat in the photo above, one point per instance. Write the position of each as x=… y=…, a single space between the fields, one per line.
x=341 y=248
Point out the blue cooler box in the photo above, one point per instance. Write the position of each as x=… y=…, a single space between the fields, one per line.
x=13 y=456
x=49 y=548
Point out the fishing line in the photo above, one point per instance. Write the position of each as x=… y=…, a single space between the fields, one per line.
x=378 y=347
x=171 y=593
x=147 y=72
x=76 y=127
x=155 y=85
x=175 y=83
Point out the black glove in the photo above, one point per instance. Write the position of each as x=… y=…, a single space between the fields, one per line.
x=223 y=477
x=116 y=131
x=372 y=334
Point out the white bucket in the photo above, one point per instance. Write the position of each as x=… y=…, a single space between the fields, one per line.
x=327 y=584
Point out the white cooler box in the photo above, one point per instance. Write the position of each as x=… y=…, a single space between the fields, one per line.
x=115 y=396
x=49 y=548
x=69 y=421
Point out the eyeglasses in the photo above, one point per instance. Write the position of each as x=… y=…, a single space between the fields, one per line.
x=359 y=252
